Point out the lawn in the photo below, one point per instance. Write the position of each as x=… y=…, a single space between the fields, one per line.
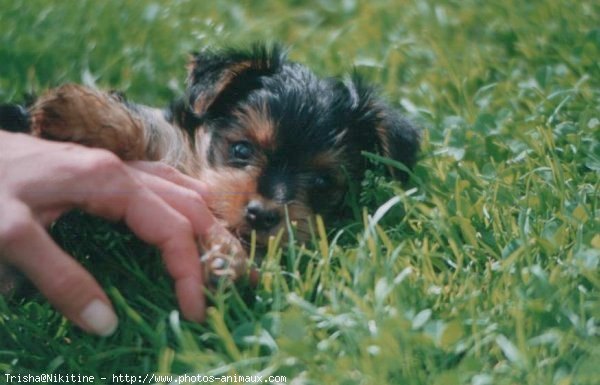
x=484 y=269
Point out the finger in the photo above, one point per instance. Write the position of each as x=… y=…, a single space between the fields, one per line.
x=103 y=185
x=65 y=283
x=211 y=233
x=186 y=201
x=156 y=222
x=171 y=174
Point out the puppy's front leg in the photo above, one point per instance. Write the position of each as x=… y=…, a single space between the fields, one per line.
x=73 y=113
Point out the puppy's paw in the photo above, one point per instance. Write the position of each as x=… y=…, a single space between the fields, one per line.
x=224 y=258
x=86 y=116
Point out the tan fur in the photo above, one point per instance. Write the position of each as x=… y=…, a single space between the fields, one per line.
x=230 y=191
x=260 y=129
x=96 y=119
x=89 y=117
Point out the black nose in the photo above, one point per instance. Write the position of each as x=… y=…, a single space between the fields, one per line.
x=261 y=218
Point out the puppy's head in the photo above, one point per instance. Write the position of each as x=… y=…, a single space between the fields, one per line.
x=271 y=135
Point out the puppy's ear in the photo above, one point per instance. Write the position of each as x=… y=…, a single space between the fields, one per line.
x=219 y=80
x=376 y=127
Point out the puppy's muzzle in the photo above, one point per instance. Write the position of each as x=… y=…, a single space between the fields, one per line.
x=260 y=217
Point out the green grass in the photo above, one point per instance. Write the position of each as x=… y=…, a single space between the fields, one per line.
x=484 y=270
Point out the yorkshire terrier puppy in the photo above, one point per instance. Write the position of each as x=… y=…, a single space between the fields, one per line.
x=272 y=140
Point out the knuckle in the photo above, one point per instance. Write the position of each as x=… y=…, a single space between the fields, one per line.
x=66 y=286
x=167 y=171
x=69 y=146
x=182 y=226
x=60 y=285
x=170 y=173
x=193 y=198
x=179 y=229
x=104 y=162
x=16 y=227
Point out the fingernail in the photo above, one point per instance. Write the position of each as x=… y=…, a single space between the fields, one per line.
x=100 y=318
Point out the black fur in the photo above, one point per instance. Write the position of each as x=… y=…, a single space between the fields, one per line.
x=310 y=113
x=311 y=118
x=14 y=118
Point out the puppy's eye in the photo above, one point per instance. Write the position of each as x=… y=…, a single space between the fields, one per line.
x=321 y=182
x=241 y=152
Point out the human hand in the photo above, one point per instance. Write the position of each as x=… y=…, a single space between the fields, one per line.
x=43 y=179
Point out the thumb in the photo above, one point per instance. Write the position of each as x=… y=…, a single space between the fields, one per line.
x=64 y=282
